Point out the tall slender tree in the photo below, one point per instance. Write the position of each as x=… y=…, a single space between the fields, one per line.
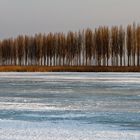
x=129 y=44
x=121 y=44
x=138 y=44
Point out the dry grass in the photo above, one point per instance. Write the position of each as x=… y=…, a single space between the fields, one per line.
x=68 y=69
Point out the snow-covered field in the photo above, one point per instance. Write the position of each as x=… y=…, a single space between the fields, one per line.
x=69 y=106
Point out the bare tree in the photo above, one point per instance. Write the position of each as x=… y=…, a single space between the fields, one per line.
x=121 y=44
x=129 y=43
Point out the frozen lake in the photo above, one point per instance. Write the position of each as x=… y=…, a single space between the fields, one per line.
x=73 y=106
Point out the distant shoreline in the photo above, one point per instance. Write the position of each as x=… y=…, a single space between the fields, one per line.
x=69 y=69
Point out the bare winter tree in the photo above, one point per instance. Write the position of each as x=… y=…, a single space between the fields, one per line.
x=101 y=47
x=121 y=44
x=129 y=43
x=138 y=45
x=88 y=45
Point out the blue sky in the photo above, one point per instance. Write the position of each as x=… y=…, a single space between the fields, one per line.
x=33 y=16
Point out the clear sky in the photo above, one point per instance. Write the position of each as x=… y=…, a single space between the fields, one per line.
x=33 y=16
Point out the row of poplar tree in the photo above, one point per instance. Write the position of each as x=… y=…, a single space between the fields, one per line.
x=103 y=46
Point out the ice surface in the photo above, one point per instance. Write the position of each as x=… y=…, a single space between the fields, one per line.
x=73 y=106
x=18 y=130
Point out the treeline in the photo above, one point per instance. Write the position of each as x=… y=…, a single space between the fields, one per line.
x=104 y=46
